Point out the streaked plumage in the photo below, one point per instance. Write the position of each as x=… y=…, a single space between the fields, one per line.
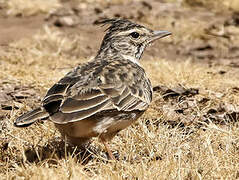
x=103 y=96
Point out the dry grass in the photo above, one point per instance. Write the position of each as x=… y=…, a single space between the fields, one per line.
x=215 y=5
x=147 y=151
x=150 y=149
x=30 y=7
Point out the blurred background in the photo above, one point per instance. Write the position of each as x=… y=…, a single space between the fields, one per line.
x=203 y=30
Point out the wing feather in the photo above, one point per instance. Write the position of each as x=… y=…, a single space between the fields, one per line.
x=63 y=118
x=91 y=94
x=73 y=105
x=80 y=95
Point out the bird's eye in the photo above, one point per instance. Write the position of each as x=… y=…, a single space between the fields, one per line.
x=134 y=35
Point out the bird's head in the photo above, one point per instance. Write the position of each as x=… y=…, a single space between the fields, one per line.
x=127 y=39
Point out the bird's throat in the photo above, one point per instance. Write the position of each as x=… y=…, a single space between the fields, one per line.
x=132 y=59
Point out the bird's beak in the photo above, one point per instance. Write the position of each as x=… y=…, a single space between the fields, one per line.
x=159 y=34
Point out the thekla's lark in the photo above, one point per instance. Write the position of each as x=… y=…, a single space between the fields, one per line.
x=105 y=95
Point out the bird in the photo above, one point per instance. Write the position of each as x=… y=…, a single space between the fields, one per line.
x=105 y=95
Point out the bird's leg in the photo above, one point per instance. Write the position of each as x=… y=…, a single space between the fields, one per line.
x=108 y=149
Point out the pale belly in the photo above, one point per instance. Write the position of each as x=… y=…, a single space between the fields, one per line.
x=103 y=126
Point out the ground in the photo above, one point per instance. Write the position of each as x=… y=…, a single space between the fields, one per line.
x=190 y=130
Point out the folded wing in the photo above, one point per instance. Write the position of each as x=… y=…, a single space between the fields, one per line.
x=77 y=97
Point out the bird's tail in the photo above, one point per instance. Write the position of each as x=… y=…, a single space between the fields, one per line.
x=30 y=117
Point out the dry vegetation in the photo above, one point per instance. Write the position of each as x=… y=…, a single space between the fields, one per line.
x=29 y=7
x=189 y=132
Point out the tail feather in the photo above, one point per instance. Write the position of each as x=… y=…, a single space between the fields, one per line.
x=30 y=117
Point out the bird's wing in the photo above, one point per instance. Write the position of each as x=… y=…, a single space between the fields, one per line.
x=113 y=87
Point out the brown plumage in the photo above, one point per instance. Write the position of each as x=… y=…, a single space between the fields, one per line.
x=103 y=96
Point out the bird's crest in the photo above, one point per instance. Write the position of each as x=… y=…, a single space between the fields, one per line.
x=117 y=24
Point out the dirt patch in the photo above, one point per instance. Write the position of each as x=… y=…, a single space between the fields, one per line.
x=15 y=28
